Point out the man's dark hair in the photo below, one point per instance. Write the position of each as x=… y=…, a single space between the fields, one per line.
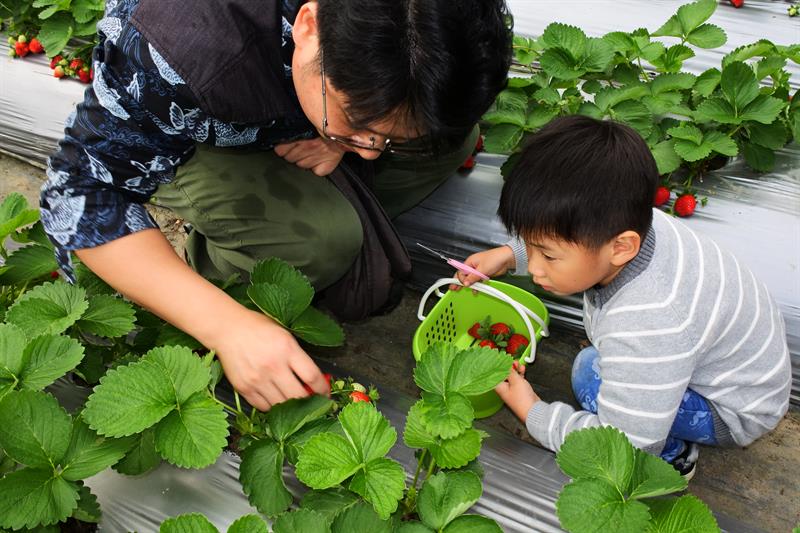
x=440 y=62
x=581 y=180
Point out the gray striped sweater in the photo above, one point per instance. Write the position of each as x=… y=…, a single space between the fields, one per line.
x=683 y=313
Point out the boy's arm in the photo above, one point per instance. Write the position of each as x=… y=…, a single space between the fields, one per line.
x=496 y=262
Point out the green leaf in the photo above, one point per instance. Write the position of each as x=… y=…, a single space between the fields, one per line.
x=477 y=370
x=693 y=15
x=55 y=32
x=288 y=417
x=413 y=527
x=672 y=82
x=692 y=152
x=570 y=38
x=431 y=371
x=273 y=300
x=707 y=36
x=261 y=475
x=185 y=370
x=597 y=453
x=445 y=496
x=634 y=114
x=687 y=514
x=47 y=358
x=598 y=55
x=187 y=523
x=169 y=335
x=671 y=28
x=688 y=132
x=609 y=96
x=540 y=116
x=315 y=327
x=12 y=360
x=329 y=502
x=367 y=430
x=509 y=108
x=130 y=399
x=472 y=523
x=548 y=95
x=794 y=125
x=294 y=444
x=721 y=143
x=558 y=63
x=773 y=136
x=502 y=138
x=278 y=272
x=446 y=417
x=652 y=51
x=769 y=66
x=757 y=157
x=29 y=263
x=31 y=497
x=620 y=41
x=672 y=58
x=719 y=110
x=381 y=482
x=664 y=103
x=448 y=453
x=707 y=82
x=89 y=453
x=653 y=476
x=249 y=523
x=15 y=214
x=763 y=108
x=762 y=47
x=193 y=435
x=739 y=85
x=48 y=309
x=142 y=457
x=34 y=428
x=594 y=505
x=88 y=510
x=107 y=316
x=301 y=521
x=326 y=460
x=360 y=517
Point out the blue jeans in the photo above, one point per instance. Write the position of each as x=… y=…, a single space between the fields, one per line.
x=693 y=422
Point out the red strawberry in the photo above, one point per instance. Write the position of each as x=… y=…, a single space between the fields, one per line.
x=54 y=274
x=500 y=330
x=91 y=74
x=328 y=378
x=479 y=144
x=358 y=396
x=737 y=3
x=474 y=330
x=517 y=344
x=83 y=74
x=468 y=164
x=76 y=63
x=58 y=72
x=21 y=49
x=662 y=196
x=488 y=344
x=35 y=46
x=685 y=204
x=54 y=61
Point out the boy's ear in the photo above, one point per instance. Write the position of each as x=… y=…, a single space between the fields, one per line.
x=625 y=247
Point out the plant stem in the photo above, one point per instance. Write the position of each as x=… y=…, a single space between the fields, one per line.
x=227 y=407
x=419 y=467
x=431 y=467
x=238 y=402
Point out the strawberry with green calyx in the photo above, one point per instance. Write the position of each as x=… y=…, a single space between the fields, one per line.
x=794 y=10
x=474 y=331
x=35 y=46
x=83 y=75
x=55 y=61
x=685 y=205
x=58 y=72
x=12 y=41
x=358 y=396
x=487 y=343
x=500 y=331
x=517 y=344
x=76 y=63
x=21 y=48
x=662 y=196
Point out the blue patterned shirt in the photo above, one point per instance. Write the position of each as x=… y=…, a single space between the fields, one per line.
x=137 y=124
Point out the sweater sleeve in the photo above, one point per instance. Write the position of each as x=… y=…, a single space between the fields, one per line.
x=517 y=245
x=640 y=392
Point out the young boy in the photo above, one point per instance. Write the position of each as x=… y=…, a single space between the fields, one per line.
x=687 y=346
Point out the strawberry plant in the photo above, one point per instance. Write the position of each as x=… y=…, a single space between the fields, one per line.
x=616 y=487
x=742 y=108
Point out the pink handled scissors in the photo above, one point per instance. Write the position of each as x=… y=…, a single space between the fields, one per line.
x=458 y=265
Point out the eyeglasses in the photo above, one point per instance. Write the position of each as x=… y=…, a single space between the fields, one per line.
x=417 y=147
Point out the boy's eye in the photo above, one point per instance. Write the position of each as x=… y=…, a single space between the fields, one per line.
x=548 y=258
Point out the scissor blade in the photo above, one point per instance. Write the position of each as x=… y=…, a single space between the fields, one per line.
x=434 y=252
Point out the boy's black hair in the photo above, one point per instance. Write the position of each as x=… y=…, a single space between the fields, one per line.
x=440 y=62
x=581 y=180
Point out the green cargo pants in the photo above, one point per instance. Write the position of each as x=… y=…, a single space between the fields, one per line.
x=247 y=206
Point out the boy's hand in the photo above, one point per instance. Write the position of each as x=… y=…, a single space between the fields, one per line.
x=517 y=393
x=494 y=262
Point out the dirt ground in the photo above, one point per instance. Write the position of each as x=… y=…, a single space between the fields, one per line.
x=757 y=485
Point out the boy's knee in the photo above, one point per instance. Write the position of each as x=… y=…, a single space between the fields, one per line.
x=584 y=362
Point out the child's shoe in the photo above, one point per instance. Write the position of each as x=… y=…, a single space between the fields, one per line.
x=687 y=460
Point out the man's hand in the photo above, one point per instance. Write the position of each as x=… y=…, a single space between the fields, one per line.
x=517 y=393
x=263 y=362
x=319 y=155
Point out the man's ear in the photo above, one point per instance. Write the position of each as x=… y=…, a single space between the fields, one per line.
x=625 y=247
x=305 y=29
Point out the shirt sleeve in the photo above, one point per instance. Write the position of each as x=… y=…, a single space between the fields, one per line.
x=640 y=392
x=137 y=123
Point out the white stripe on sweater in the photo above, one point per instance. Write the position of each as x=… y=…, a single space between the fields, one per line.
x=553 y=418
x=738 y=303
x=753 y=322
x=667 y=331
x=778 y=390
x=634 y=412
x=675 y=285
x=648 y=386
x=758 y=354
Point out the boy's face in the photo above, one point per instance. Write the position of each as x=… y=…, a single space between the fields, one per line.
x=565 y=268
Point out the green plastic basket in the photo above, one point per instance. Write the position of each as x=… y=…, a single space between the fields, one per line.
x=456 y=311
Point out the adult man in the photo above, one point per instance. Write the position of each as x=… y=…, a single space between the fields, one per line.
x=299 y=85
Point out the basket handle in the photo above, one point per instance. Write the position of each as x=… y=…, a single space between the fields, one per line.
x=523 y=311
